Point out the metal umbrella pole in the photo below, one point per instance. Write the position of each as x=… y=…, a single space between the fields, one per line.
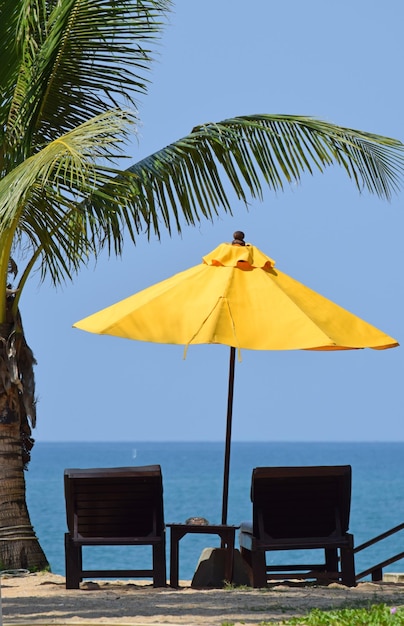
x=228 y=437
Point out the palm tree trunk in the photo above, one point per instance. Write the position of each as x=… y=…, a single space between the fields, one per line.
x=19 y=546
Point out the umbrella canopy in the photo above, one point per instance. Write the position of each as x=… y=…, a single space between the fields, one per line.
x=236 y=297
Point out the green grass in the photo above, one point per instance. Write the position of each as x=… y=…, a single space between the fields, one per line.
x=376 y=615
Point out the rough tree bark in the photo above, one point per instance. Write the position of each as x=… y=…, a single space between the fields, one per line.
x=19 y=546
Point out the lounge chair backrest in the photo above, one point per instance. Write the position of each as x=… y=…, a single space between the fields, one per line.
x=292 y=502
x=114 y=502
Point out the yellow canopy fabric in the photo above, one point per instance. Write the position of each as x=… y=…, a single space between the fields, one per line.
x=236 y=297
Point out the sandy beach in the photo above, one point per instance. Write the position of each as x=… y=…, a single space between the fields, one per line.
x=43 y=599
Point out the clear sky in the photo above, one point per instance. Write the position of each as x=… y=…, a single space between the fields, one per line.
x=341 y=62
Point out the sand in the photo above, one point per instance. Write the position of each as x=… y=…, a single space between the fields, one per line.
x=43 y=599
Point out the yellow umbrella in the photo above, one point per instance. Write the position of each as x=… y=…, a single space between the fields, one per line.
x=236 y=297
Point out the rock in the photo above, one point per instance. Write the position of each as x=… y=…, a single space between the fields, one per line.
x=210 y=569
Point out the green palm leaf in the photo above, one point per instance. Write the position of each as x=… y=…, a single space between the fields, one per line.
x=42 y=199
x=184 y=180
x=67 y=205
x=66 y=63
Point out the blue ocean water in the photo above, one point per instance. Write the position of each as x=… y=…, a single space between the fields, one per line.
x=193 y=482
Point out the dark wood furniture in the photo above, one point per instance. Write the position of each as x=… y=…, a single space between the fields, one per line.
x=178 y=531
x=300 y=508
x=114 y=506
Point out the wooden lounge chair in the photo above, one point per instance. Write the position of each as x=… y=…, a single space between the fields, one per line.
x=111 y=507
x=300 y=508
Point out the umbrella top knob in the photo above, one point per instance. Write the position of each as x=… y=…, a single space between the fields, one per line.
x=238 y=238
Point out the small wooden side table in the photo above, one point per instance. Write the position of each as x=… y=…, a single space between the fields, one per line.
x=178 y=531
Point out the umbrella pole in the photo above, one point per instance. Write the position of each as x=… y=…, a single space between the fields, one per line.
x=228 y=436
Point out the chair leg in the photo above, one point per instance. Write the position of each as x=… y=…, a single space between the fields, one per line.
x=331 y=559
x=377 y=575
x=73 y=563
x=348 y=567
x=259 y=568
x=159 y=565
x=246 y=557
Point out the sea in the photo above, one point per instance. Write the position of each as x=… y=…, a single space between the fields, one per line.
x=193 y=484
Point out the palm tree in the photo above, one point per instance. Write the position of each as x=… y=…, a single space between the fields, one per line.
x=69 y=76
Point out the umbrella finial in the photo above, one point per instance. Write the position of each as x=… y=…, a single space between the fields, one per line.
x=238 y=238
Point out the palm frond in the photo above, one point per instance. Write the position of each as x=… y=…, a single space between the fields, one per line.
x=42 y=200
x=67 y=63
x=71 y=205
x=184 y=181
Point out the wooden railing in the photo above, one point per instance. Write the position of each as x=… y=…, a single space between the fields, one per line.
x=376 y=571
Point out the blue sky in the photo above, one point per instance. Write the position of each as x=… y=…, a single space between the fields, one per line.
x=339 y=62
